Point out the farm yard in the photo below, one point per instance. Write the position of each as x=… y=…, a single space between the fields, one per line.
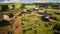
x=31 y=20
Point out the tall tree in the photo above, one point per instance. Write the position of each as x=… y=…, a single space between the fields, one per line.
x=4 y=7
x=13 y=6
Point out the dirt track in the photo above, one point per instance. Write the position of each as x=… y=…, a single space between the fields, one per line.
x=17 y=26
x=17 y=22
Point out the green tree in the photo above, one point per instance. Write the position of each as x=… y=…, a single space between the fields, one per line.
x=4 y=7
x=56 y=28
x=13 y=6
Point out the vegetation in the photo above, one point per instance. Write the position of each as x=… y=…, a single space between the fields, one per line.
x=4 y=7
x=33 y=24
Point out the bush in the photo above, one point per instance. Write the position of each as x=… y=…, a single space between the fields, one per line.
x=4 y=7
x=13 y=7
x=57 y=28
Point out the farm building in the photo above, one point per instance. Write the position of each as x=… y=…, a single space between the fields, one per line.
x=8 y=26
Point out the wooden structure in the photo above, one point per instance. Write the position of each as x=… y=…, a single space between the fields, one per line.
x=9 y=26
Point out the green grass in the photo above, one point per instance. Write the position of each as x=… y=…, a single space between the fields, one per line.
x=40 y=25
x=40 y=29
x=52 y=11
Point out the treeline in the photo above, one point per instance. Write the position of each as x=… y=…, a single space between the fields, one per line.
x=6 y=7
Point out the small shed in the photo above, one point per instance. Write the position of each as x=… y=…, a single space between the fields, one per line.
x=41 y=12
x=45 y=18
x=4 y=20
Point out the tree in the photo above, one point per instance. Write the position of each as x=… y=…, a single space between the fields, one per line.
x=4 y=7
x=13 y=7
x=56 y=28
x=22 y=6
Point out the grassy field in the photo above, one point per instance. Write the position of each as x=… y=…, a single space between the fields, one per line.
x=37 y=24
x=34 y=25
